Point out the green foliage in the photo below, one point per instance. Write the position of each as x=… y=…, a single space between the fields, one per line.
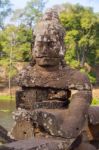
x=82 y=35
x=5 y=10
x=31 y=13
x=15 y=46
x=88 y=19
x=92 y=77
x=6 y=98
x=70 y=56
x=97 y=56
x=95 y=101
x=12 y=72
x=16 y=42
x=5 y=110
x=17 y=38
x=81 y=26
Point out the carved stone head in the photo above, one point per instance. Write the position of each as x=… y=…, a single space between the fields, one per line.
x=49 y=40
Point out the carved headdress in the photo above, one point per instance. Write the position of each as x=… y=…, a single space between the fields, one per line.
x=49 y=36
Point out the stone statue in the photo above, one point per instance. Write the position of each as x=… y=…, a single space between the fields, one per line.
x=4 y=138
x=54 y=99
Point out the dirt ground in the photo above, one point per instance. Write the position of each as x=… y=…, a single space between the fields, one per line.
x=96 y=92
x=6 y=91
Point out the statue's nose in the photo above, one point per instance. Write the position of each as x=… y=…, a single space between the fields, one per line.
x=44 y=50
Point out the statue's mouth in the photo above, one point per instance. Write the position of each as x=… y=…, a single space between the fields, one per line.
x=41 y=56
x=47 y=61
x=47 y=57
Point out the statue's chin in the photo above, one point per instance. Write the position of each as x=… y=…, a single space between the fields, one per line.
x=47 y=61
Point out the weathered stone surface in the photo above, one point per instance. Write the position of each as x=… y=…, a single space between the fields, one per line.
x=95 y=144
x=42 y=98
x=79 y=145
x=39 y=144
x=38 y=77
x=56 y=122
x=45 y=104
x=23 y=129
x=4 y=138
x=49 y=34
x=57 y=98
x=94 y=115
x=49 y=144
x=93 y=123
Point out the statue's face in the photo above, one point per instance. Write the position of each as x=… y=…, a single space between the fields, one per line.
x=48 y=40
x=46 y=49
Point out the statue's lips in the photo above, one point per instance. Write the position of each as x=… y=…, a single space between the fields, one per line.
x=41 y=56
x=47 y=61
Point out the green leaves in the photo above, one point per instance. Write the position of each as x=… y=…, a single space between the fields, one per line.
x=31 y=13
x=15 y=43
x=82 y=37
x=88 y=20
x=80 y=24
x=5 y=10
x=83 y=42
x=69 y=20
x=21 y=41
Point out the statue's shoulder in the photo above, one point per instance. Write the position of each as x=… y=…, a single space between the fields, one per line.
x=76 y=79
x=24 y=74
x=63 y=78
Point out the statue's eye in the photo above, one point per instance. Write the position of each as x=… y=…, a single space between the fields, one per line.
x=39 y=44
x=50 y=44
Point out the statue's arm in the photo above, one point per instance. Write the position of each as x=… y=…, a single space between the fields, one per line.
x=77 y=114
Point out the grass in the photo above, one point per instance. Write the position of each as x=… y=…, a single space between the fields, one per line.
x=95 y=101
x=5 y=110
x=6 y=98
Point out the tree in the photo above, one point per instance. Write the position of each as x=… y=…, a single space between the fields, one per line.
x=5 y=10
x=82 y=36
x=15 y=43
x=80 y=24
x=31 y=13
x=97 y=40
x=20 y=41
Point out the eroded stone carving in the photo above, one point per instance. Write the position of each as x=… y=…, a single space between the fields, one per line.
x=55 y=97
x=4 y=138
